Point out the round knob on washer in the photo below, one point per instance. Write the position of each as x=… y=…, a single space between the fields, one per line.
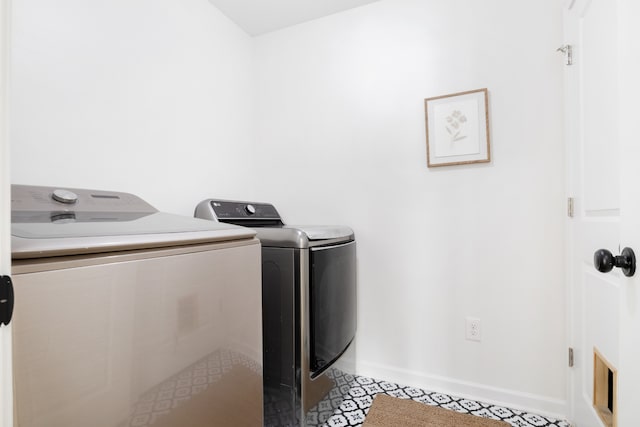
x=250 y=209
x=64 y=196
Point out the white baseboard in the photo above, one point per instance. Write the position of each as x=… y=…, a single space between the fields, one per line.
x=541 y=405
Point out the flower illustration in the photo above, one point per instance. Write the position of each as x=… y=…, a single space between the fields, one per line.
x=455 y=125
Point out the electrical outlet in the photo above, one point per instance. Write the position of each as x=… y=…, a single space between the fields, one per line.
x=473 y=330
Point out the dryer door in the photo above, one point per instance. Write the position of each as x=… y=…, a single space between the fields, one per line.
x=332 y=303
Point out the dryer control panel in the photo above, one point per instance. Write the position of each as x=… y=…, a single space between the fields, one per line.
x=250 y=214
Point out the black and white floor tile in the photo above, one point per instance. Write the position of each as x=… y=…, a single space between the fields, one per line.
x=161 y=399
x=356 y=403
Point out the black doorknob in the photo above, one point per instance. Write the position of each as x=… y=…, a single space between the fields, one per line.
x=604 y=261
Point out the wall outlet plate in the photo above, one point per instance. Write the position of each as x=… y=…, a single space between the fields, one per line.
x=473 y=329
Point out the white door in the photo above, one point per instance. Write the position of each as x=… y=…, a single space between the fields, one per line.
x=603 y=135
x=6 y=405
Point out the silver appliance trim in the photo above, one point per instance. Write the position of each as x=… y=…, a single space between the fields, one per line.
x=323 y=232
x=293 y=237
x=324 y=248
x=305 y=346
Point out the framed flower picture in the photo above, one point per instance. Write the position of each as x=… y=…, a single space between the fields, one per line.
x=458 y=128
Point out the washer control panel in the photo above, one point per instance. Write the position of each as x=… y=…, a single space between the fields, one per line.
x=29 y=198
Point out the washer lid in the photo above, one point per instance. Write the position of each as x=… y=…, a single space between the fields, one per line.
x=89 y=222
x=156 y=230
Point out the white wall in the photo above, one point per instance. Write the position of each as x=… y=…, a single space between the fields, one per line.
x=341 y=138
x=156 y=97
x=152 y=97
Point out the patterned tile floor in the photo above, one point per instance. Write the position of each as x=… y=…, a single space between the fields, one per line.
x=163 y=398
x=359 y=397
x=346 y=405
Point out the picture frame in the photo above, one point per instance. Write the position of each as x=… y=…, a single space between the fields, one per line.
x=458 y=128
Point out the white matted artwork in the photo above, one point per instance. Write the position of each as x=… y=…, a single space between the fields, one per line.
x=458 y=128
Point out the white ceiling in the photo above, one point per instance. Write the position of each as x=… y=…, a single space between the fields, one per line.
x=261 y=16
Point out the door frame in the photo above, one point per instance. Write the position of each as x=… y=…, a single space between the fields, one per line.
x=6 y=377
x=572 y=120
x=629 y=66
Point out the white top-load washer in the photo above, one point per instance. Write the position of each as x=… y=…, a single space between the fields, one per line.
x=126 y=316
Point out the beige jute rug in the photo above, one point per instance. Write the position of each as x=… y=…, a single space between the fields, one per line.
x=388 y=411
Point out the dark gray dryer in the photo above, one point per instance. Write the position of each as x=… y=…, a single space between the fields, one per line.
x=309 y=309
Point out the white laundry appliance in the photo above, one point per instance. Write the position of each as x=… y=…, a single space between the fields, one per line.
x=126 y=316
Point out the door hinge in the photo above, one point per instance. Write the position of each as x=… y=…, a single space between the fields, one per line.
x=6 y=300
x=570 y=357
x=567 y=50
x=570 y=206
